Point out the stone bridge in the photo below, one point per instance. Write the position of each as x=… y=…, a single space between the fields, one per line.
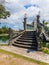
x=32 y=36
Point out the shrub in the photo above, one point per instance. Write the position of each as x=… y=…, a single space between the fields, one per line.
x=47 y=45
x=46 y=50
x=44 y=44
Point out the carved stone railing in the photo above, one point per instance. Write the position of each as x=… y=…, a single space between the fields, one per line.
x=35 y=25
x=39 y=37
x=42 y=36
x=39 y=44
x=46 y=35
x=17 y=35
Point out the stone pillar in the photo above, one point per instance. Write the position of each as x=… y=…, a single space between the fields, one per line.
x=24 y=23
x=38 y=20
x=38 y=24
x=10 y=35
x=39 y=41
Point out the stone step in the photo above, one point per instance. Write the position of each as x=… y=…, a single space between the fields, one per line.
x=25 y=43
x=25 y=38
x=30 y=33
x=22 y=46
x=28 y=36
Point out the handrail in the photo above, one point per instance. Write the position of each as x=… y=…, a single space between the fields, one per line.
x=35 y=25
x=39 y=42
x=46 y=36
x=17 y=36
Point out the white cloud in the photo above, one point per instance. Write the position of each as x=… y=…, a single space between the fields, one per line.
x=17 y=10
x=47 y=25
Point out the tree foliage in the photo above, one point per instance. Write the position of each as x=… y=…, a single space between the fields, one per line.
x=3 y=13
x=45 y=23
x=5 y=30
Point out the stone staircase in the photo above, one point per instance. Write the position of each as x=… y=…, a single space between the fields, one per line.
x=27 y=40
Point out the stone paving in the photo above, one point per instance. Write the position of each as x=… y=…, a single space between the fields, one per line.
x=38 y=55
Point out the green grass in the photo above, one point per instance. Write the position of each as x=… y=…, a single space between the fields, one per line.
x=4 y=34
x=3 y=44
x=23 y=57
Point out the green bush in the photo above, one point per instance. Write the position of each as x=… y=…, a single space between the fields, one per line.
x=44 y=44
x=46 y=50
x=47 y=46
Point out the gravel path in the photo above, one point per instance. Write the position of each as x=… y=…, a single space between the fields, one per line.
x=32 y=54
x=6 y=59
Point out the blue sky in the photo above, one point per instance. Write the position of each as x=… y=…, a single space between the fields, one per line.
x=18 y=8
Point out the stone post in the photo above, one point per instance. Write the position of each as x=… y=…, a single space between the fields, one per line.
x=24 y=23
x=39 y=41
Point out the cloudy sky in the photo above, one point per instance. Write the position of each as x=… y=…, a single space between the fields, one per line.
x=18 y=8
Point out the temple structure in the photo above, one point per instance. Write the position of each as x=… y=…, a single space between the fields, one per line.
x=32 y=36
x=27 y=26
x=35 y=24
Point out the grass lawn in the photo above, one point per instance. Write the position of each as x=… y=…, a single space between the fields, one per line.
x=22 y=58
x=3 y=44
x=4 y=34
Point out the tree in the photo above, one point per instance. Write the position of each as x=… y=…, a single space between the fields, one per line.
x=45 y=23
x=46 y=27
x=3 y=13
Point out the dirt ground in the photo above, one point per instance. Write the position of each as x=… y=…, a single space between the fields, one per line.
x=11 y=60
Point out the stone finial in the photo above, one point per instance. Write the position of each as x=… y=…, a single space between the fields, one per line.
x=25 y=15
x=25 y=21
x=38 y=15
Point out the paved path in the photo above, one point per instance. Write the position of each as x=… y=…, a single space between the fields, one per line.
x=32 y=54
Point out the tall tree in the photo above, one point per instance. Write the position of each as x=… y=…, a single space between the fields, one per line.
x=3 y=13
